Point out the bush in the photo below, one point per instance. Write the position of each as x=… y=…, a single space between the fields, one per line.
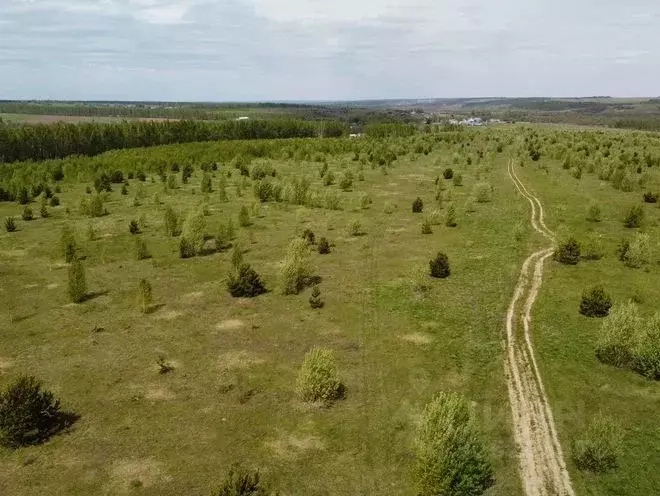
x=417 y=205
x=646 y=351
x=458 y=180
x=635 y=253
x=355 y=228
x=239 y=482
x=246 y=283
x=28 y=414
x=389 y=207
x=141 y=252
x=133 y=227
x=483 y=192
x=296 y=267
x=43 y=211
x=329 y=178
x=324 y=246
x=124 y=189
x=634 y=217
x=595 y=302
x=448 y=173
x=592 y=250
x=10 y=224
x=450 y=216
x=54 y=201
x=77 y=282
x=92 y=207
x=426 y=227
x=193 y=232
x=145 y=295
x=650 y=197
x=206 y=186
x=68 y=244
x=224 y=236
x=440 y=266
x=237 y=256
x=309 y=237
x=451 y=457
x=601 y=446
x=171 y=221
x=27 y=213
x=365 y=201
x=593 y=213
x=318 y=379
x=568 y=252
x=617 y=336
x=244 y=217
x=315 y=300
x=346 y=181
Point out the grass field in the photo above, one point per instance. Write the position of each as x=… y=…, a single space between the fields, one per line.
x=399 y=336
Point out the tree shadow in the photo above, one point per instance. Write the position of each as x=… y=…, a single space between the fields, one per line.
x=154 y=308
x=93 y=295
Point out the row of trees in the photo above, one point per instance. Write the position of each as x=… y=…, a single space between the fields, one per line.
x=47 y=141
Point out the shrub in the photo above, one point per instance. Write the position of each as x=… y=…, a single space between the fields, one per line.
x=145 y=295
x=389 y=207
x=296 y=267
x=417 y=205
x=323 y=170
x=206 y=186
x=133 y=227
x=595 y=302
x=646 y=351
x=54 y=201
x=568 y=252
x=193 y=232
x=141 y=252
x=601 y=446
x=239 y=482
x=426 y=227
x=245 y=283
x=77 y=282
x=650 y=197
x=27 y=213
x=355 y=228
x=10 y=224
x=634 y=217
x=324 y=246
x=171 y=220
x=440 y=266
x=318 y=379
x=309 y=237
x=141 y=176
x=244 y=217
x=68 y=244
x=224 y=236
x=451 y=457
x=450 y=216
x=124 y=189
x=448 y=173
x=346 y=181
x=315 y=300
x=92 y=207
x=186 y=249
x=617 y=335
x=636 y=252
x=28 y=414
x=458 y=180
x=163 y=366
x=237 y=256
x=329 y=178
x=592 y=250
x=483 y=192
x=365 y=201
x=43 y=211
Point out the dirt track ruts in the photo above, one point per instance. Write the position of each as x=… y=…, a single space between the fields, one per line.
x=542 y=465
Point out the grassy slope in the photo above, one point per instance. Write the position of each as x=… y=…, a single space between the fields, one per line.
x=231 y=396
x=578 y=384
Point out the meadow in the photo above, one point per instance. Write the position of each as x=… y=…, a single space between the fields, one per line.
x=399 y=336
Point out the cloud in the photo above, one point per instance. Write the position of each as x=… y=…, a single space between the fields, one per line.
x=308 y=49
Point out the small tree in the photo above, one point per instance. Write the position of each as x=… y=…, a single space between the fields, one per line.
x=237 y=256
x=77 y=281
x=244 y=217
x=309 y=237
x=193 y=233
x=458 y=180
x=417 y=205
x=346 y=181
x=54 y=201
x=43 y=211
x=426 y=227
x=171 y=221
x=451 y=457
x=617 y=335
x=28 y=414
x=245 y=283
x=568 y=252
x=239 y=482
x=206 y=186
x=634 y=217
x=650 y=197
x=145 y=296
x=448 y=173
x=315 y=300
x=355 y=228
x=318 y=379
x=27 y=213
x=600 y=447
x=10 y=224
x=296 y=267
x=68 y=244
x=324 y=246
x=635 y=253
x=133 y=227
x=440 y=266
x=450 y=216
x=141 y=251
x=595 y=302
x=483 y=192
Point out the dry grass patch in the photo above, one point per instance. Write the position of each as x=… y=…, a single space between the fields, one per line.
x=241 y=359
x=418 y=338
x=230 y=325
x=129 y=474
x=292 y=446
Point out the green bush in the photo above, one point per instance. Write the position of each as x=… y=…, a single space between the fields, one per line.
x=133 y=227
x=593 y=213
x=244 y=217
x=323 y=246
x=309 y=236
x=365 y=201
x=417 y=206
x=634 y=217
x=315 y=300
x=296 y=267
x=568 y=252
x=68 y=244
x=601 y=446
x=224 y=237
x=193 y=232
x=448 y=173
x=595 y=302
x=10 y=224
x=318 y=379
x=43 y=211
x=451 y=458
x=92 y=207
x=618 y=334
x=171 y=221
x=355 y=228
x=28 y=414
x=141 y=252
x=77 y=281
x=439 y=266
x=646 y=350
x=237 y=256
x=245 y=283
x=426 y=227
x=346 y=181
x=650 y=197
x=54 y=201
x=206 y=185
x=239 y=482
x=27 y=213
x=145 y=295
x=458 y=180
x=329 y=178
x=635 y=253
x=483 y=192
x=450 y=216
x=186 y=248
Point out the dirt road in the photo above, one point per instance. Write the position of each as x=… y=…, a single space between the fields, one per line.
x=542 y=465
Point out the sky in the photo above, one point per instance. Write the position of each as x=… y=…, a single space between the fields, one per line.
x=268 y=50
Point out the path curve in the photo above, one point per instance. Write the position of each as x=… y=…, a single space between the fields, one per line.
x=542 y=465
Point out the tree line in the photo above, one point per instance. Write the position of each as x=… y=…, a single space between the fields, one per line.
x=48 y=141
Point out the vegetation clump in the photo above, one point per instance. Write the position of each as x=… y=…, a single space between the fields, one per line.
x=593 y=213
x=650 y=197
x=448 y=173
x=77 y=281
x=192 y=235
x=315 y=300
x=634 y=217
x=296 y=267
x=483 y=193
x=600 y=447
x=568 y=252
x=145 y=295
x=318 y=379
x=595 y=302
x=244 y=217
x=439 y=266
x=426 y=227
x=133 y=227
x=417 y=205
x=239 y=482
x=451 y=457
x=450 y=216
x=27 y=213
x=141 y=251
x=245 y=283
x=635 y=253
x=10 y=224
x=323 y=246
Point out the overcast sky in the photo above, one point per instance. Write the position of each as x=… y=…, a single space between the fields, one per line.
x=232 y=50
